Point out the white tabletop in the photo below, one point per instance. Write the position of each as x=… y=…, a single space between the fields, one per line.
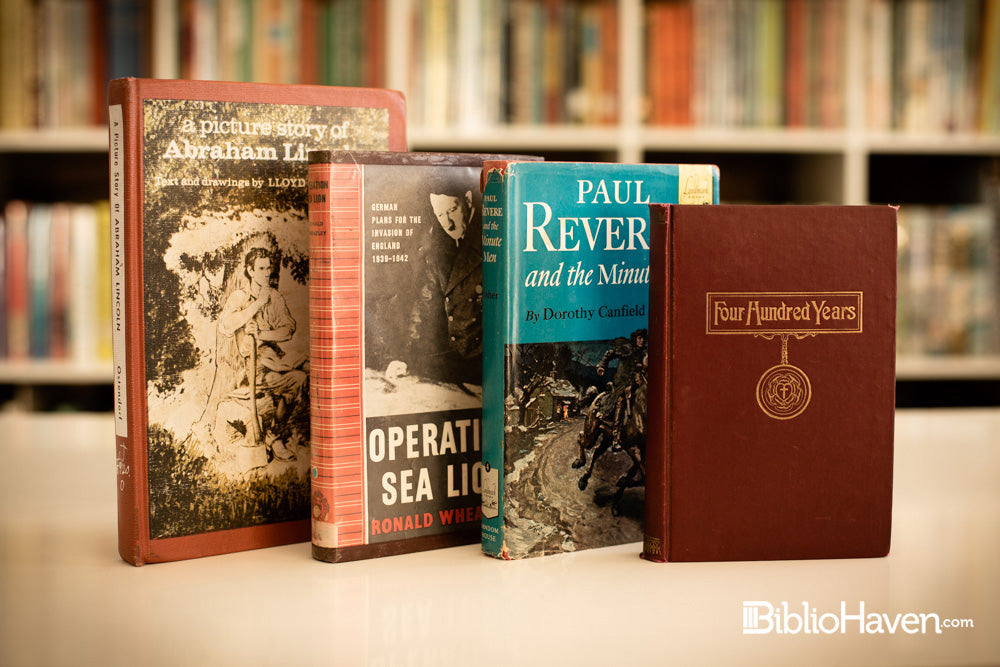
x=67 y=599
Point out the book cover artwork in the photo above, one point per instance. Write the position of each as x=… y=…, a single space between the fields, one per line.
x=772 y=366
x=225 y=257
x=565 y=429
x=399 y=327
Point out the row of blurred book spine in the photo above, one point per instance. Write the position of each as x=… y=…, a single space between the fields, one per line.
x=57 y=56
x=930 y=65
x=56 y=301
x=55 y=268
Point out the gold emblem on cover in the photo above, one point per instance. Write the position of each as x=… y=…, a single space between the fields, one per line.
x=783 y=391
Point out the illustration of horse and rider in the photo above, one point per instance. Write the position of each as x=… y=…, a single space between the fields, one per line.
x=616 y=419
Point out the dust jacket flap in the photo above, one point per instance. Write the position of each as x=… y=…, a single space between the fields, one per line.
x=776 y=340
x=210 y=246
x=566 y=275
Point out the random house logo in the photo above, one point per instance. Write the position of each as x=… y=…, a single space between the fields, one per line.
x=764 y=618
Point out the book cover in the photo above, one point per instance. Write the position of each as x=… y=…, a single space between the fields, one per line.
x=566 y=283
x=772 y=370
x=210 y=298
x=397 y=332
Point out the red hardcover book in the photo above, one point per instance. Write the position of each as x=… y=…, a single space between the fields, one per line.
x=772 y=370
x=210 y=286
x=396 y=347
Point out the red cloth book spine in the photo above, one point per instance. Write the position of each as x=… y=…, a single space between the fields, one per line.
x=336 y=307
x=656 y=536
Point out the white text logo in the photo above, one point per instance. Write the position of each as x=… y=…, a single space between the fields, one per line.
x=762 y=618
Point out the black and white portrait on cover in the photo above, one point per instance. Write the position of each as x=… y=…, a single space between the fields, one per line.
x=254 y=327
x=225 y=340
x=424 y=340
x=247 y=304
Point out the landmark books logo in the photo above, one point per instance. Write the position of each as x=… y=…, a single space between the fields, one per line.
x=764 y=618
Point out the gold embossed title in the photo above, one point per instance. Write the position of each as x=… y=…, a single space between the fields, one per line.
x=784 y=390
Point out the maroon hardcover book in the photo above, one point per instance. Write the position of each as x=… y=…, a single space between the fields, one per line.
x=210 y=291
x=771 y=382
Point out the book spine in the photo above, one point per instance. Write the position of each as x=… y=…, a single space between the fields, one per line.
x=307 y=49
x=124 y=165
x=989 y=76
x=39 y=260
x=495 y=302
x=3 y=281
x=336 y=320
x=59 y=267
x=102 y=259
x=81 y=307
x=655 y=544
x=373 y=43
x=16 y=280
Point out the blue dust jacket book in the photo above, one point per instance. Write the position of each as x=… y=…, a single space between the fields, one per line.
x=565 y=316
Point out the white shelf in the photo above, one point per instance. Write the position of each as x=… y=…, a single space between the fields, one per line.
x=948 y=367
x=502 y=138
x=596 y=138
x=65 y=140
x=751 y=140
x=701 y=139
x=54 y=372
x=932 y=144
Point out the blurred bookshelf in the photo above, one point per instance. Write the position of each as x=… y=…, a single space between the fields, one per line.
x=797 y=101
